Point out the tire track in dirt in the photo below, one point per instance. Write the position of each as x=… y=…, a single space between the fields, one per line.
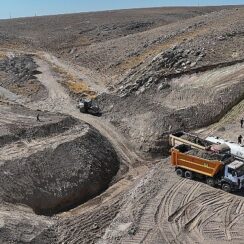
x=187 y=218
x=181 y=217
x=214 y=207
x=164 y=209
x=227 y=219
x=193 y=215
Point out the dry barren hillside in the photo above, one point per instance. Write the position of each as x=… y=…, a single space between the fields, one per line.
x=70 y=177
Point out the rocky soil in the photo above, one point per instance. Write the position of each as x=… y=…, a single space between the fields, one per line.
x=163 y=108
x=76 y=178
x=18 y=76
x=32 y=156
x=48 y=166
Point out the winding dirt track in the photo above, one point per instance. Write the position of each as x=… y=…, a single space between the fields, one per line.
x=59 y=101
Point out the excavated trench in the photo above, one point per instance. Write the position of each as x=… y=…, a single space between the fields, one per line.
x=55 y=166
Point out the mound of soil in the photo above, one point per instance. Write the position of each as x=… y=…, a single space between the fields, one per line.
x=149 y=117
x=19 y=123
x=57 y=179
x=52 y=165
x=18 y=76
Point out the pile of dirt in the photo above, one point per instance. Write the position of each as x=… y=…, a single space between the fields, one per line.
x=196 y=139
x=18 y=76
x=20 y=124
x=61 y=176
x=52 y=165
x=210 y=155
x=147 y=118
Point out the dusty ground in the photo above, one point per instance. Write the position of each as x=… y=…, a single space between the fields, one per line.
x=153 y=71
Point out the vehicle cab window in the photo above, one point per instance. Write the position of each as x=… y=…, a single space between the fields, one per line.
x=231 y=171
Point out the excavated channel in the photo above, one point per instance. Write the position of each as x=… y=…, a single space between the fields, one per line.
x=53 y=170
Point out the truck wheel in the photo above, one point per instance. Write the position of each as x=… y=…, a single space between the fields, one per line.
x=179 y=172
x=210 y=181
x=226 y=187
x=188 y=175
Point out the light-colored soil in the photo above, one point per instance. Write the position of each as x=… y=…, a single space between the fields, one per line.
x=176 y=210
x=132 y=67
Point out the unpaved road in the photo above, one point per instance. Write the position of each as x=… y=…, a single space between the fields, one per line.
x=93 y=80
x=164 y=208
x=58 y=100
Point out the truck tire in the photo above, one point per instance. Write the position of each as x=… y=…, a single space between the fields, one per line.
x=210 y=181
x=179 y=172
x=82 y=110
x=226 y=187
x=188 y=175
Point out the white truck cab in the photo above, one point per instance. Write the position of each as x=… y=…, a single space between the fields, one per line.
x=234 y=174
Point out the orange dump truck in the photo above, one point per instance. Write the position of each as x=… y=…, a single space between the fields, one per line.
x=216 y=169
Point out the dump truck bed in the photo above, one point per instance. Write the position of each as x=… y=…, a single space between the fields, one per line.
x=195 y=164
x=194 y=141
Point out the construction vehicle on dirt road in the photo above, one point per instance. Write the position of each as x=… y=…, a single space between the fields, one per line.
x=89 y=106
x=194 y=157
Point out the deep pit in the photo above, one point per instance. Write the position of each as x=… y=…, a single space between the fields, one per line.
x=58 y=166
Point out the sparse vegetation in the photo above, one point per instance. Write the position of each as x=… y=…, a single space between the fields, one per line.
x=77 y=87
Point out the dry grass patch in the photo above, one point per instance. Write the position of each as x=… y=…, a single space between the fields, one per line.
x=2 y=55
x=75 y=86
x=80 y=88
x=27 y=89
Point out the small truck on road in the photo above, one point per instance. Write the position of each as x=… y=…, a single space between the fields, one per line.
x=89 y=106
x=210 y=162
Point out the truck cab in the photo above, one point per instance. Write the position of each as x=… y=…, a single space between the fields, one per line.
x=234 y=174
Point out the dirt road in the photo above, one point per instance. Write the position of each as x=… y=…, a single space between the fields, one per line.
x=58 y=100
x=168 y=209
x=92 y=79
